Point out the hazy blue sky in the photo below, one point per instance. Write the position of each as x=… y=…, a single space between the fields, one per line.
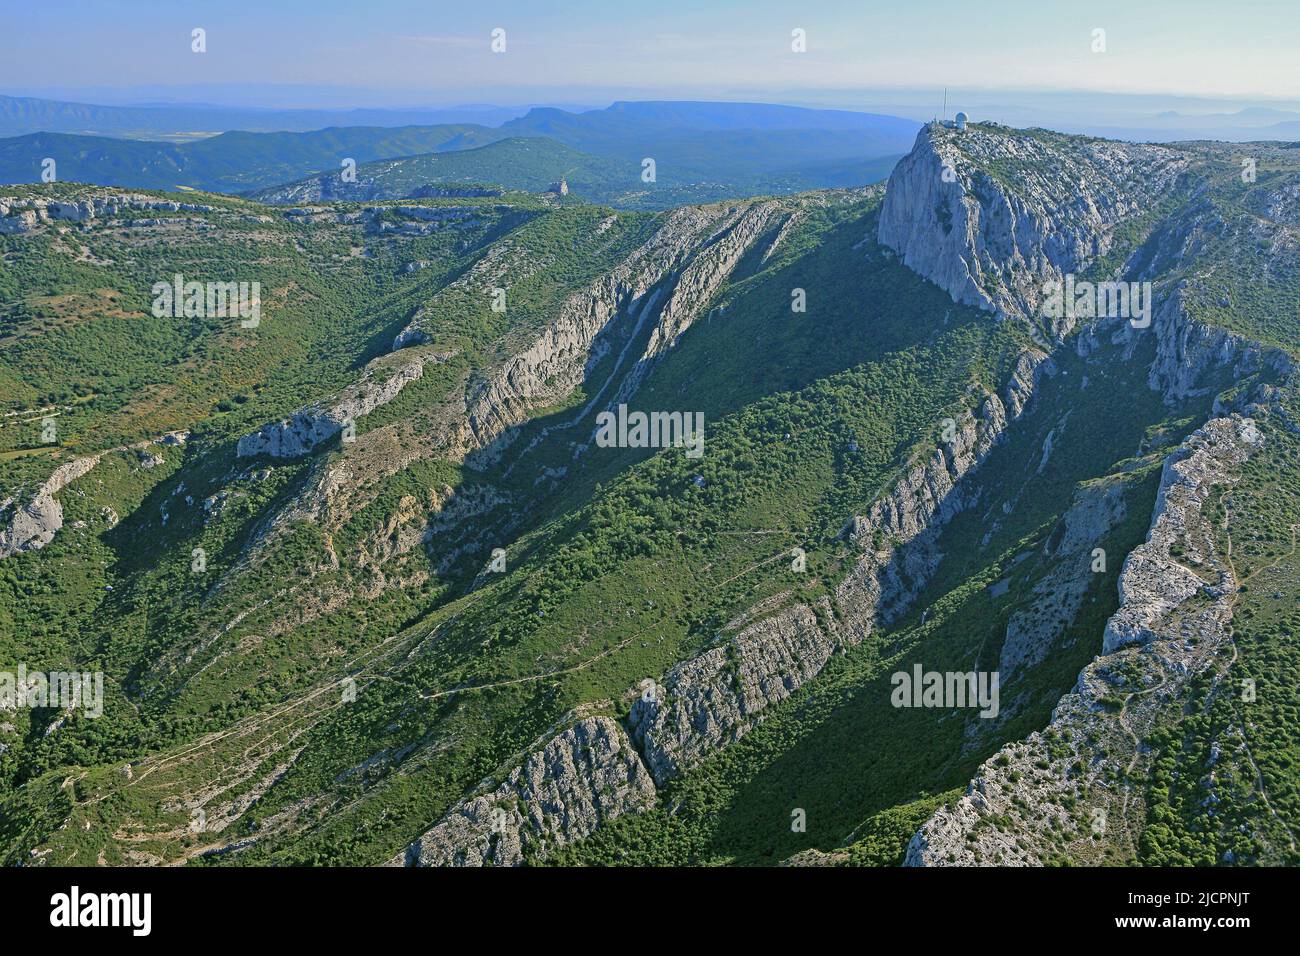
x=425 y=51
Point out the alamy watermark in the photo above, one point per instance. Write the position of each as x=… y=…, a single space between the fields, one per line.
x=63 y=690
x=75 y=908
x=208 y=300
x=626 y=429
x=1098 y=300
x=953 y=689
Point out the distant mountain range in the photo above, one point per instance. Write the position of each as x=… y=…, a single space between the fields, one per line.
x=534 y=163
x=230 y=162
x=183 y=122
x=701 y=151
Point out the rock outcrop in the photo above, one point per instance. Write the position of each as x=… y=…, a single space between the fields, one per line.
x=1035 y=629
x=34 y=524
x=1153 y=582
x=696 y=245
x=305 y=430
x=1015 y=810
x=581 y=778
x=691 y=254
x=899 y=534
x=700 y=280
x=991 y=214
x=24 y=214
x=1187 y=351
x=709 y=701
x=705 y=703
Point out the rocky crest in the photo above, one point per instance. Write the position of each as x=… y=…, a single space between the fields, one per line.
x=992 y=214
x=305 y=430
x=1056 y=599
x=702 y=277
x=692 y=254
x=1153 y=582
x=34 y=524
x=713 y=699
x=584 y=776
x=696 y=245
x=899 y=533
x=1186 y=350
x=709 y=701
x=21 y=215
x=1014 y=810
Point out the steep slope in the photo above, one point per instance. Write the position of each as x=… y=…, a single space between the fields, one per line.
x=1044 y=602
x=991 y=218
x=441 y=622
x=1071 y=793
x=400 y=523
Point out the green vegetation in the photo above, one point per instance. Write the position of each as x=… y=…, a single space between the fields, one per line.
x=358 y=572
x=1224 y=787
x=231 y=162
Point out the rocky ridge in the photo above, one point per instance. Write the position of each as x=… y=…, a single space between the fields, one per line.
x=24 y=214
x=688 y=255
x=35 y=523
x=711 y=700
x=308 y=428
x=991 y=215
x=1014 y=812
x=588 y=774
x=899 y=534
x=1058 y=596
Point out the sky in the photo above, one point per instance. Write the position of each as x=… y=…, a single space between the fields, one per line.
x=430 y=52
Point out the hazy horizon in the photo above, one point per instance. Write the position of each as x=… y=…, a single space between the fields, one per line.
x=399 y=53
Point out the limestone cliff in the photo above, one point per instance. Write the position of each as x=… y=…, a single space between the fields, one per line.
x=22 y=215
x=992 y=214
x=1015 y=810
x=34 y=524
x=899 y=533
x=308 y=428
x=1034 y=629
x=711 y=700
x=582 y=777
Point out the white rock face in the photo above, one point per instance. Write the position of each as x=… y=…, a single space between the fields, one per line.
x=478 y=419
x=1013 y=812
x=1034 y=630
x=1186 y=350
x=20 y=215
x=584 y=776
x=34 y=524
x=710 y=701
x=695 y=249
x=954 y=217
x=306 y=429
x=702 y=277
x=1153 y=582
x=899 y=533
x=713 y=699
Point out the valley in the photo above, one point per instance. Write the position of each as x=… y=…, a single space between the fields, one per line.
x=436 y=621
